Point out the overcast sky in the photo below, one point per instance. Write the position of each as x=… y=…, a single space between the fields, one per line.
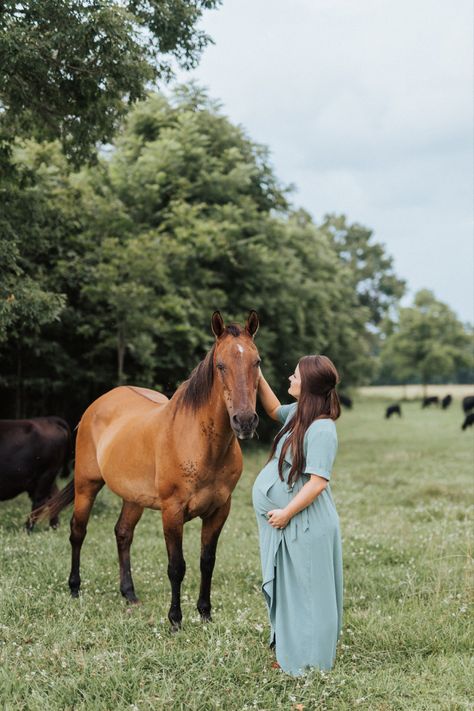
x=366 y=106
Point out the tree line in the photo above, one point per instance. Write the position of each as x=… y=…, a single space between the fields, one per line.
x=112 y=261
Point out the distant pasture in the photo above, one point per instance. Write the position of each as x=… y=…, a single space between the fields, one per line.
x=414 y=392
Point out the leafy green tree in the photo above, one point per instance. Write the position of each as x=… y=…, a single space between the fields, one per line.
x=427 y=343
x=323 y=307
x=371 y=268
x=70 y=70
x=182 y=169
x=184 y=215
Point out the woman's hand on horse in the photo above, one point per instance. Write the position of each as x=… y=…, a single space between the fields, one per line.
x=278 y=518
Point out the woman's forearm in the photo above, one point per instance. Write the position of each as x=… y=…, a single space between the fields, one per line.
x=306 y=496
x=269 y=400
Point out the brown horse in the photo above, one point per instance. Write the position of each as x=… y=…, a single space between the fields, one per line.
x=180 y=456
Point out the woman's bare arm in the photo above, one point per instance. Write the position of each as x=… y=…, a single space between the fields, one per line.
x=269 y=400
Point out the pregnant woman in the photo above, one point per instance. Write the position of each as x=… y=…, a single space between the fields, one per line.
x=300 y=540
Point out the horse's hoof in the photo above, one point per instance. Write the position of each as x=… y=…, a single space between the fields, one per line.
x=175 y=627
x=206 y=617
x=129 y=595
x=75 y=594
x=132 y=600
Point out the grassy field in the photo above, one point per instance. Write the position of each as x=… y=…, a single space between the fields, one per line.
x=404 y=492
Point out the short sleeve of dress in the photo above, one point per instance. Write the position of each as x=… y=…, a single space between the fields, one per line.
x=321 y=451
x=284 y=410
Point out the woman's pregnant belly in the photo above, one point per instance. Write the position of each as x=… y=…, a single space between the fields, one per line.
x=269 y=492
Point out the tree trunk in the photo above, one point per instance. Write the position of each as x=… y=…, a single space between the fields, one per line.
x=19 y=385
x=120 y=354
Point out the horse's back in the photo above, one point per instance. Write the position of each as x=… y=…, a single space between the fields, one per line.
x=122 y=402
x=152 y=395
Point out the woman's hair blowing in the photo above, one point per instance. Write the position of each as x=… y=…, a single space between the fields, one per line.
x=318 y=398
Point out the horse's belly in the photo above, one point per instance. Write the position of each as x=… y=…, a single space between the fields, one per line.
x=136 y=492
x=128 y=470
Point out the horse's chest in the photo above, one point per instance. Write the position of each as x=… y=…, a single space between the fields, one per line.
x=205 y=502
x=208 y=491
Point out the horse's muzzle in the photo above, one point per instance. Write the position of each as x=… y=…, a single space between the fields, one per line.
x=244 y=425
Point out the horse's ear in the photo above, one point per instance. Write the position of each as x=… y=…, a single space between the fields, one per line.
x=217 y=324
x=252 y=323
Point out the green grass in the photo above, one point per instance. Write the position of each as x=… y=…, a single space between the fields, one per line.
x=404 y=492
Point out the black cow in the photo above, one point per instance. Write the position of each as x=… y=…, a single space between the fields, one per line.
x=392 y=409
x=468 y=403
x=345 y=400
x=446 y=402
x=427 y=401
x=469 y=421
x=31 y=454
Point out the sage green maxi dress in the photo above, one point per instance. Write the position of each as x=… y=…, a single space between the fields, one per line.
x=302 y=563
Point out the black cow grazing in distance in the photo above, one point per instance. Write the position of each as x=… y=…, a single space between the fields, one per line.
x=392 y=410
x=469 y=421
x=345 y=400
x=446 y=402
x=427 y=401
x=32 y=452
x=468 y=403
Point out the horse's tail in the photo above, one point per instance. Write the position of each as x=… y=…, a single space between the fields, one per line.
x=65 y=468
x=56 y=503
x=69 y=459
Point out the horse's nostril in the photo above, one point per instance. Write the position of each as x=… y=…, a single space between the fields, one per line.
x=247 y=422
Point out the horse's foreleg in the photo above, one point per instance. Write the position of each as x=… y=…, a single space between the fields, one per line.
x=124 y=528
x=211 y=528
x=173 y=530
x=83 y=502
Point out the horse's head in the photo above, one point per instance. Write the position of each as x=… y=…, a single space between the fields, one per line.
x=236 y=362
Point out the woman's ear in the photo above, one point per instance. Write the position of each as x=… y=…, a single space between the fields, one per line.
x=217 y=324
x=252 y=323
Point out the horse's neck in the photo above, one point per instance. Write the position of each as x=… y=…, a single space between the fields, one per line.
x=211 y=423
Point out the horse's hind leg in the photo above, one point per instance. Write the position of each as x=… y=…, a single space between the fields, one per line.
x=84 y=499
x=124 y=528
x=211 y=529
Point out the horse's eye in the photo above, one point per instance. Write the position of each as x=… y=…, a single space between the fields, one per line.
x=221 y=366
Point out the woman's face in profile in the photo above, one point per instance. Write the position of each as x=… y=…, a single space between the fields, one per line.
x=295 y=383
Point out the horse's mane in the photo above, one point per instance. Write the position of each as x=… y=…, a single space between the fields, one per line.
x=196 y=390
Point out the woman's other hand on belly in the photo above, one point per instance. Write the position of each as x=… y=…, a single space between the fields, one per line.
x=278 y=518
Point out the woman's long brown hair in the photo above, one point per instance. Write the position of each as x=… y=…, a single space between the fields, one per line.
x=318 y=399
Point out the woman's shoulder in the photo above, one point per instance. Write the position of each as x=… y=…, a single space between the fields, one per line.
x=285 y=412
x=322 y=425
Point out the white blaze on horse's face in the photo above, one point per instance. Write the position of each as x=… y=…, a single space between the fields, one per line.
x=237 y=362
